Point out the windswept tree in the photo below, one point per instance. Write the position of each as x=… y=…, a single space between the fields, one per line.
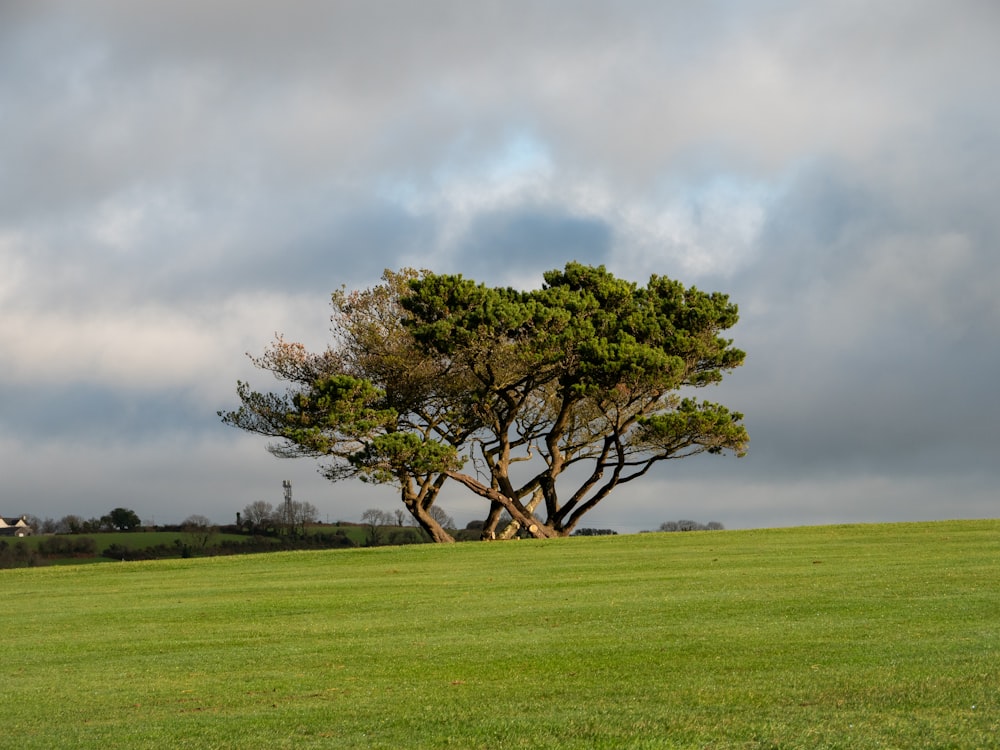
x=540 y=402
x=373 y=405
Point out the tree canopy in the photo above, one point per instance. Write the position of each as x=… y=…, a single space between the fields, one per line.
x=540 y=402
x=123 y=519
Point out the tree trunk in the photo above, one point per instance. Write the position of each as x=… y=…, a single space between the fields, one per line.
x=419 y=503
x=489 y=532
x=434 y=530
x=437 y=533
x=511 y=529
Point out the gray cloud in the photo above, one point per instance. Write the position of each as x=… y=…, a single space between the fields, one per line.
x=183 y=179
x=497 y=242
x=100 y=414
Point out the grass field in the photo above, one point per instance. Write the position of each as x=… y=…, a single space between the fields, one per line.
x=882 y=636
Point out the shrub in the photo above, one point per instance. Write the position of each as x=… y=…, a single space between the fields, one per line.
x=67 y=546
x=17 y=556
x=407 y=536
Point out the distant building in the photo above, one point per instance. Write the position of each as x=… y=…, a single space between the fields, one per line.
x=14 y=527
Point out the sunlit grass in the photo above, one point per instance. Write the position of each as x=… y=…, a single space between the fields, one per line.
x=852 y=637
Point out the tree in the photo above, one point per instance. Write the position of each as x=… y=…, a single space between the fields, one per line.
x=69 y=524
x=377 y=517
x=540 y=402
x=442 y=517
x=296 y=515
x=123 y=519
x=48 y=526
x=375 y=520
x=258 y=514
x=95 y=525
x=34 y=522
x=686 y=525
x=373 y=404
x=199 y=530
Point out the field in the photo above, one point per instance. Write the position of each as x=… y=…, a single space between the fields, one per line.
x=880 y=636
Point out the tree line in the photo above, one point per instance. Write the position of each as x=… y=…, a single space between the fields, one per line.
x=118 y=519
x=685 y=525
x=264 y=527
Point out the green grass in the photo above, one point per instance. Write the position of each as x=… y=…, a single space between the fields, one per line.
x=828 y=637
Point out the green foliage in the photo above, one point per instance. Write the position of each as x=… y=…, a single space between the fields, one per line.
x=18 y=554
x=580 y=372
x=61 y=549
x=831 y=637
x=387 y=456
x=124 y=519
x=704 y=426
x=66 y=546
x=337 y=408
x=434 y=378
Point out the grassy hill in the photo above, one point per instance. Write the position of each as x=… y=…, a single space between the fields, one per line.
x=828 y=637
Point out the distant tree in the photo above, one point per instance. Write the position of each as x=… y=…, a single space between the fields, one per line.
x=69 y=524
x=375 y=520
x=595 y=532
x=95 y=525
x=541 y=403
x=48 y=526
x=258 y=515
x=687 y=525
x=444 y=520
x=122 y=519
x=377 y=516
x=298 y=515
x=200 y=531
x=34 y=522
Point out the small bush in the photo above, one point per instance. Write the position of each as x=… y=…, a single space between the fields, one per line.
x=17 y=555
x=406 y=536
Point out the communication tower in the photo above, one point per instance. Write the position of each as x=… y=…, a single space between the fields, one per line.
x=288 y=499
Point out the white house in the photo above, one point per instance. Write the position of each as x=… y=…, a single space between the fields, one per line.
x=14 y=527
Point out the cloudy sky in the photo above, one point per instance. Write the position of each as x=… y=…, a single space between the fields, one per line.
x=181 y=180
